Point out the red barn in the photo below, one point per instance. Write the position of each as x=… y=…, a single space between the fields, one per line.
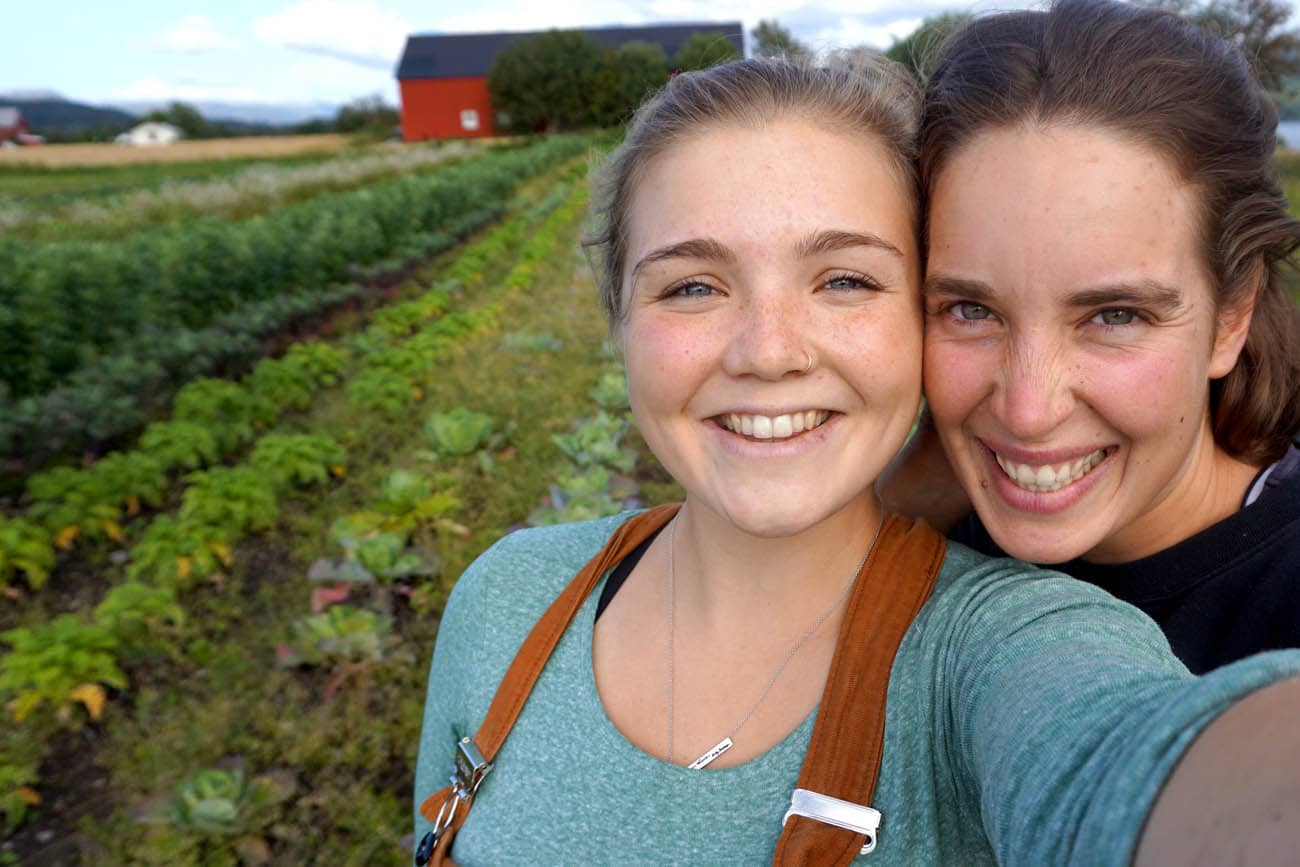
x=12 y=125
x=443 y=79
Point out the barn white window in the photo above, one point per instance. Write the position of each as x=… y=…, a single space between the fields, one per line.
x=469 y=119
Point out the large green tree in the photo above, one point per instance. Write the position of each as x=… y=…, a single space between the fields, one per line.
x=625 y=78
x=545 y=82
x=1258 y=27
x=703 y=50
x=919 y=49
x=773 y=40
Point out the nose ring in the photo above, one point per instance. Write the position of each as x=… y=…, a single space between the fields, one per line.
x=808 y=366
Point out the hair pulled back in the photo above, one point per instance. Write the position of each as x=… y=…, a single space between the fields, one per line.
x=1158 y=80
x=855 y=93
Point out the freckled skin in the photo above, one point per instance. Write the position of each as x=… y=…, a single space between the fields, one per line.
x=745 y=346
x=1038 y=215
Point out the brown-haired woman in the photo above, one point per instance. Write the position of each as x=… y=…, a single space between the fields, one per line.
x=1112 y=357
x=762 y=276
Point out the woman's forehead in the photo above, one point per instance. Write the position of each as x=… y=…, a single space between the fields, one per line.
x=774 y=184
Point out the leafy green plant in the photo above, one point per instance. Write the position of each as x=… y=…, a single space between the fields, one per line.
x=139 y=615
x=59 y=662
x=174 y=552
x=598 y=441
x=282 y=383
x=323 y=362
x=381 y=391
x=610 y=391
x=229 y=411
x=459 y=432
x=239 y=499
x=17 y=796
x=387 y=556
x=27 y=548
x=216 y=801
x=184 y=444
x=130 y=478
x=297 y=459
x=341 y=634
x=67 y=503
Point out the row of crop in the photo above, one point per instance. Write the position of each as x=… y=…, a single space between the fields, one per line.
x=213 y=418
x=246 y=191
x=110 y=396
x=67 y=663
x=57 y=301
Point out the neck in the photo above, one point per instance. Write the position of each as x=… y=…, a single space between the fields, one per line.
x=1209 y=489
x=723 y=572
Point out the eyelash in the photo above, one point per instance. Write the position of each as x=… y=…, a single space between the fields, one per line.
x=862 y=281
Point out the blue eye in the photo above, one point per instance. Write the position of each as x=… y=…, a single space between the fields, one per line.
x=850 y=283
x=970 y=311
x=692 y=289
x=1115 y=316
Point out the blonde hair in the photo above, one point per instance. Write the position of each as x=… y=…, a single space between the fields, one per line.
x=855 y=93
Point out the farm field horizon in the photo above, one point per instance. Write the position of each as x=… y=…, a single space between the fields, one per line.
x=258 y=410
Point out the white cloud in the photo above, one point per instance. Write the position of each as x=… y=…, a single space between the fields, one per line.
x=526 y=15
x=191 y=35
x=357 y=31
x=158 y=90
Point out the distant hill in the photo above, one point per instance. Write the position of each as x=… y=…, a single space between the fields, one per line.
x=244 y=113
x=46 y=116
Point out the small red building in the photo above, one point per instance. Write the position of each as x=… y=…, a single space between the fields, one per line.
x=12 y=126
x=443 y=79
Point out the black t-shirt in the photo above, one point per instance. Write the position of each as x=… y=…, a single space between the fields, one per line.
x=1229 y=591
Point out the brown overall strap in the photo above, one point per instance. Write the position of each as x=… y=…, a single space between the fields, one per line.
x=532 y=656
x=843 y=758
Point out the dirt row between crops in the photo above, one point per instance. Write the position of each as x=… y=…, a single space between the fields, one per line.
x=181 y=151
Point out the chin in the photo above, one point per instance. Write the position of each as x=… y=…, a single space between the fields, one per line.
x=1039 y=545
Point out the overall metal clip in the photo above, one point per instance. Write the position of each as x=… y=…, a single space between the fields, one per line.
x=467 y=773
x=833 y=811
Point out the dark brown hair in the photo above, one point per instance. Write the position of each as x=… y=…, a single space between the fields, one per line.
x=857 y=93
x=1158 y=80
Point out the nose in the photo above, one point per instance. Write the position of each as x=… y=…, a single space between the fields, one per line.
x=769 y=341
x=1036 y=392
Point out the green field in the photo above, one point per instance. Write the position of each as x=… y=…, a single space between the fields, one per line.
x=217 y=620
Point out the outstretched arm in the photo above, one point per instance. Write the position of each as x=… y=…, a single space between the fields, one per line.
x=919 y=482
x=1234 y=797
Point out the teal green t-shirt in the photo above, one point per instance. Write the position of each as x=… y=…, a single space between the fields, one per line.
x=1031 y=719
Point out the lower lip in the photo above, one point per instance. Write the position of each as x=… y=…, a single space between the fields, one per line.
x=1041 y=503
x=750 y=447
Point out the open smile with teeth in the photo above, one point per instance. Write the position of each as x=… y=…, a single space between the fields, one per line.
x=773 y=427
x=1045 y=478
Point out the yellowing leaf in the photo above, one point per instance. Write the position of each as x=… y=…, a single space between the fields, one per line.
x=92 y=695
x=114 y=531
x=24 y=704
x=338 y=470
x=132 y=505
x=417 y=392
x=222 y=550
x=29 y=796
x=184 y=566
x=65 y=537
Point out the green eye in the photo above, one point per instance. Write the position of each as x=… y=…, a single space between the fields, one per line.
x=1117 y=316
x=967 y=310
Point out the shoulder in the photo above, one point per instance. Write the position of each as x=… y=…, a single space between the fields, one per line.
x=980 y=598
x=525 y=570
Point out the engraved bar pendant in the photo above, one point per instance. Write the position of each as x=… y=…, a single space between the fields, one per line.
x=705 y=760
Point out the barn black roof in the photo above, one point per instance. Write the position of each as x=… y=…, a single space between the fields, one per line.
x=465 y=55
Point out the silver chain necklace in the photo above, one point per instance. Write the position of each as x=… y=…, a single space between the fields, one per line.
x=727 y=743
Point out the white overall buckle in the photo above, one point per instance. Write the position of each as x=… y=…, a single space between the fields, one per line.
x=833 y=811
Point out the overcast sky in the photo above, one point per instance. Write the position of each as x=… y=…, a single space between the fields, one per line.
x=335 y=50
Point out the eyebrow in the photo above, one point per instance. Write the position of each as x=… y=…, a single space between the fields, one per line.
x=1145 y=293
x=824 y=241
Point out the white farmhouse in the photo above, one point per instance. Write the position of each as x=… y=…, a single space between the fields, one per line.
x=150 y=133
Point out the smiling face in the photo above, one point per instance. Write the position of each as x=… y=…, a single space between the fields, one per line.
x=773 y=328
x=1070 y=340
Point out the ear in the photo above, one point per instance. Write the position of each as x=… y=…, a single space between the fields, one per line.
x=1232 y=326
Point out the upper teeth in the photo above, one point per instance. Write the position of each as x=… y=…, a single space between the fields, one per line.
x=1045 y=478
x=774 y=427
